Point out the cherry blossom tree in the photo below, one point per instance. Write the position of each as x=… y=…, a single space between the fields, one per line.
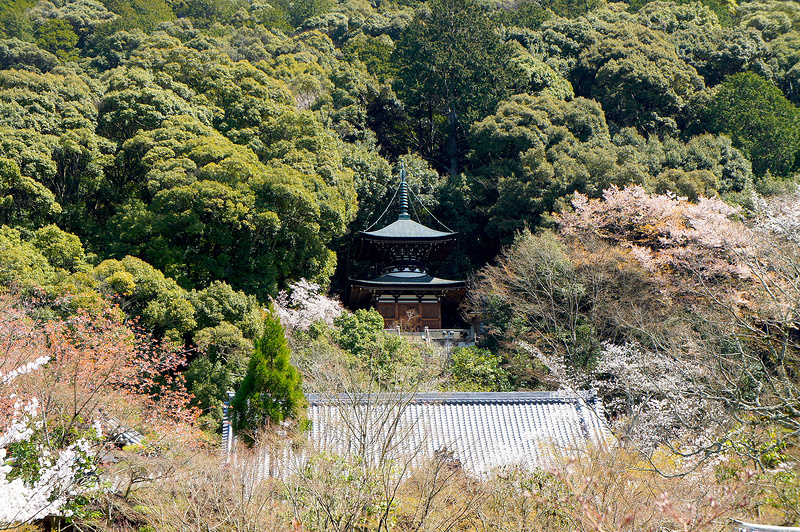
x=303 y=304
x=73 y=385
x=695 y=347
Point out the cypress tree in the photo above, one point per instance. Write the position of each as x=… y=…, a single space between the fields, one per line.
x=271 y=390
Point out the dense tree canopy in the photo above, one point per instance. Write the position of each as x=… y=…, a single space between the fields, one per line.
x=451 y=69
x=760 y=120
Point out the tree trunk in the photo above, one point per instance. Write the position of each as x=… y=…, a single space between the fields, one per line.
x=452 y=141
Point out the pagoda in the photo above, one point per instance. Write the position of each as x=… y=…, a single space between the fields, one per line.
x=404 y=293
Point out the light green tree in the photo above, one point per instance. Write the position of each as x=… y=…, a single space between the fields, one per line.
x=388 y=360
x=475 y=369
x=58 y=37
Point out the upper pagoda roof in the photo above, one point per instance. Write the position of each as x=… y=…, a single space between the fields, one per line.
x=407 y=229
x=405 y=235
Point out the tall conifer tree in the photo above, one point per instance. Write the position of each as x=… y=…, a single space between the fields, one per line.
x=271 y=390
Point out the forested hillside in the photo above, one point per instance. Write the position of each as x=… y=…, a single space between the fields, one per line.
x=621 y=176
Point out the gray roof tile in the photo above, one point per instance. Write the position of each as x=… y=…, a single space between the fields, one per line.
x=483 y=430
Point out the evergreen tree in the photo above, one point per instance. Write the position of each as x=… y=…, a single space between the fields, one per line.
x=271 y=390
x=760 y=121
x=451 y=71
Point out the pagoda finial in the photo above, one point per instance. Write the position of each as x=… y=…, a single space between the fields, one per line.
x=403 y=194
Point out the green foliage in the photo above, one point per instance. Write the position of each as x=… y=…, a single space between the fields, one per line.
x=451 y=70
x=532 y=13
x=760 y=120
x=300 y=11
x=271 y=391
x=388 y=360
x=21 y=264
x=15 y=53
x=474 y=369
x=209 y=383
x=14 y=20
x=57 y=37
x=214 y=212
x=227 y=323
x=375 y=53
x=219 y=303
x=525 y=13
x=136 y=100
x=286 y=15
x=144 y=291
x=705 y=40
x=571 y=8
x=360 y=332
x=772 y=19
x=635 y=73
x=141 y=14
x=24 y=201
x=50 y=103
x=541 y=149
x=62 y=249
x=723 y=10
x=534 y=76
x=203 y=13
x=82 y=16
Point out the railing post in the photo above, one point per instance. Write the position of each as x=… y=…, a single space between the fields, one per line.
x=228 y=436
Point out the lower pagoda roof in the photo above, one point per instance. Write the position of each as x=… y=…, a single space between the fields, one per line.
x=361 y=290
x=390 y=280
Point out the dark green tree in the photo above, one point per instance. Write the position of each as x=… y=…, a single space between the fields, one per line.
x=301 y=10
x=760 y=121
x=23 y=200
x=523 y=13
x=271 y=390
x=451 y=72
x=203 y=13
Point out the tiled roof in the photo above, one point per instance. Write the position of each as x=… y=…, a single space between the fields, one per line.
x=405 y=228
x=740 y=526
x=483 y=431
x=426 y=280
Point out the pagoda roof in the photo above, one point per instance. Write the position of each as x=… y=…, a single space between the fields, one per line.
x=428 y=244
x=360 y=290
x=407 y=229
x=423 y=281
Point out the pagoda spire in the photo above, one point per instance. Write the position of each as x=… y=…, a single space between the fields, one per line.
x=403 y=195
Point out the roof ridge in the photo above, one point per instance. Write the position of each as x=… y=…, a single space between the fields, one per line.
x=452 y=397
